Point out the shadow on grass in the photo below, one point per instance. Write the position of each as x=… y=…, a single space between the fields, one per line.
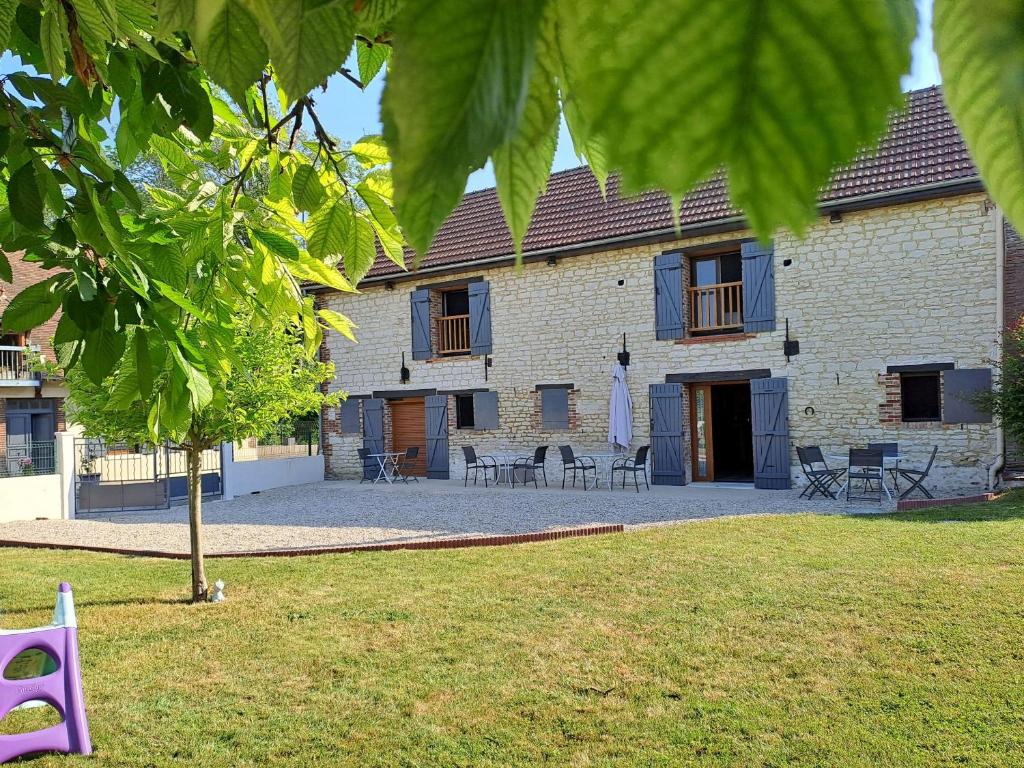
x=79 y=604
x=1009 y=506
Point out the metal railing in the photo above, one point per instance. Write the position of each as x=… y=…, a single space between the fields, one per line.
x=716 y=307
x=35 y=457
x=453 y=334
x=14 y=367
x=286 y=442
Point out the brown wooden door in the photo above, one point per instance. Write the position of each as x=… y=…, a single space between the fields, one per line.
x=409 y=429
x=701 y=443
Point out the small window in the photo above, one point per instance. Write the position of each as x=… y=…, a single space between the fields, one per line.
x=716 y=294
x=464 y=412
x=919 y=396
x=554 y=408
x=453 y=323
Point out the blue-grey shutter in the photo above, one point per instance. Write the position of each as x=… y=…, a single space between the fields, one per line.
x=668 y=296
x=373 y=434
x=769 y=409
x=554 y=408
x=349 y=417
x=485 y=410
x=758 y=287
x=960 y=388
x=437 y=436
x=667 y=434
x=480 y=318
x=420 y=300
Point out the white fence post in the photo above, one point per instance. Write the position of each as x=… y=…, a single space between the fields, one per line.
x=227 y=469
x=65 y=455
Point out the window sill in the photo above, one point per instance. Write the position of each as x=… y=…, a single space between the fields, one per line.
x=452 y=358
x=714 y=339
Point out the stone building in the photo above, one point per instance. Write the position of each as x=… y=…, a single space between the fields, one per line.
x=31 y=405
x=876 y=325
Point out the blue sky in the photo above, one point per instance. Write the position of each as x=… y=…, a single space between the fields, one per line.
x=349 y=113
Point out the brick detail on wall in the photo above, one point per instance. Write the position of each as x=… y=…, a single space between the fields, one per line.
x=890 y=411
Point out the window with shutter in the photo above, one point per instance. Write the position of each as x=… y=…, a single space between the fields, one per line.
x=554 y=408
x=485 y=410
x=960 y=390
x=349 y=417
x=668 y=296
x=758 y=287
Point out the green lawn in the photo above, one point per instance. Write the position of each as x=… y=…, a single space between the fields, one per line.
x=890 y=640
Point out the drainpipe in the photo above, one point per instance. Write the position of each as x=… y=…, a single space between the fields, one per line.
x=997 y=217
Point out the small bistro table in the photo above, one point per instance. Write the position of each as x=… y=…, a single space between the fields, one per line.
x=604 y=463
x=388 y=462
x=506 y=458
x=845 y=459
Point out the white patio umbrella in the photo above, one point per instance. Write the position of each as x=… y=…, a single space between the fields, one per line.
x=620 y=410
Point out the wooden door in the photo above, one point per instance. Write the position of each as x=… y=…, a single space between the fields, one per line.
x=701 y=443
x=409 y=430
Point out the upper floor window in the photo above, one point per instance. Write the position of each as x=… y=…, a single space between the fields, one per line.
x=451 y=319
x=716 y=294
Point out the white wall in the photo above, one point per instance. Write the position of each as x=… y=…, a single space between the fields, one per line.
x=244 y=477
x=30 y=497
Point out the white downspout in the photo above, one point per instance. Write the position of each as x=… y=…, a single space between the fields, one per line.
x=997 y=216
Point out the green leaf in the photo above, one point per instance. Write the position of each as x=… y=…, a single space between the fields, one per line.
x=371 y=151
x=338 y=322
x=53 y=37
x=7 y=10
x=981 y=55
x=33 y=306
x=451 y=99
x=25 y=200
x=195 y=380
x=6 y=276
x=307 y=192
x=778 y=94
x=308 y=40
x=375 y=17
x=328 y=231
x=370 y=59
x=523 y=163
x=128 y=191
x=86 y=282
x=315 y=271
x=104 y=347
x=180 y=300
x=276 y=242
x=228 y=40
x=360 y=252
x=174 y=15
x=143 y=363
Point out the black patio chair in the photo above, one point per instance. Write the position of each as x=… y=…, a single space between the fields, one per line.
x=636 y=465
x=476 y=463
x=888 y=451
x=408 y=461
x=582 y=464
x=370 y=465
x=918 y=476
x=820 y=477
x=865 y=466
x=533 y=463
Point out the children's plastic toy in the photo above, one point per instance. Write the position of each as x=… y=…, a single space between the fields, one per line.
x=60 y=683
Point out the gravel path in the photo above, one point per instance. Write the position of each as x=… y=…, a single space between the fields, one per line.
x=344 y=513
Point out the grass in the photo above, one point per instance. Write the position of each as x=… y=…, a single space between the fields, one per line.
x=855 y=641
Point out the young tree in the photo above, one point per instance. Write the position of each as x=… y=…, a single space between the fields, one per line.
x=1006 y=400
x=273 y=380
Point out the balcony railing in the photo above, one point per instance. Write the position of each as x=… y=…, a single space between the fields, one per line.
x=14 y=368
x=716 y=307
x=453 y=335
x=28 y=457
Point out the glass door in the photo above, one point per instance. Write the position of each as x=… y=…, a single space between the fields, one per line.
x=700 y=433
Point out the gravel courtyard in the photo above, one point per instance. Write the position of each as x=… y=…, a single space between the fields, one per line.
x=332 y=514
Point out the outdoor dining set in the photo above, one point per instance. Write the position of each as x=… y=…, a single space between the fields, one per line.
x=509 y=467
x=867 y=475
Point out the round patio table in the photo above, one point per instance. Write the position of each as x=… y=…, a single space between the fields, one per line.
x=845 y=459
x=388 y=462
x=604 y=463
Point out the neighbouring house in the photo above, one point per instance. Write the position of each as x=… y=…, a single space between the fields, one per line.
x=878 y=325
x=31 y=404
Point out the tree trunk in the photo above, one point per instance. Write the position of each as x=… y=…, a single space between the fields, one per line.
x=200 y=588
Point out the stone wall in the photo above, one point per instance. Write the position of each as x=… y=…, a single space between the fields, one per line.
x=891 y=286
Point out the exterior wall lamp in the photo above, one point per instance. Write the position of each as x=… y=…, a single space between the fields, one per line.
x=552 y=261
x=405 y=371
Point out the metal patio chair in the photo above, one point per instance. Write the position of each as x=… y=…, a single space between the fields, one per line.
x=917 y=476
x=576 y=463
x=369 y=464
x=888 y=451
x=866 y=466
x=533 y=463
x=476 y=463
x=408 y=461
x=820 y=477
x=636 y=465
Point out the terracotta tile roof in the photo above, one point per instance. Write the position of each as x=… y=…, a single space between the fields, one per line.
x=922 y=147
x=26 y=273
